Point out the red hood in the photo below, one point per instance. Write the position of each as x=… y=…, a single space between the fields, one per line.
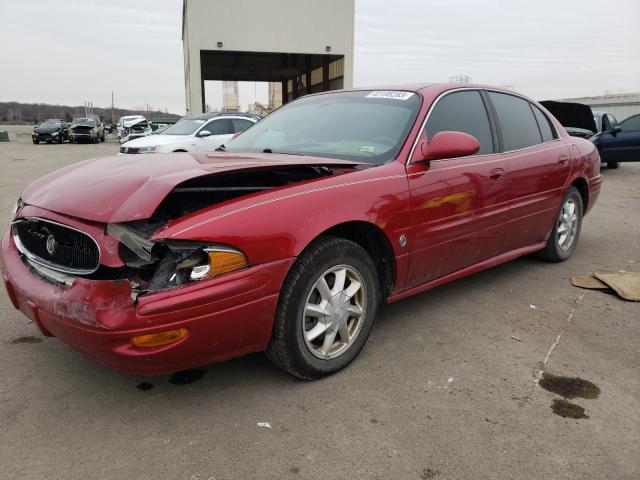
x=130 y=187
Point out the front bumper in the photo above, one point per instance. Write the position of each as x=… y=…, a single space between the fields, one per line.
x=227 y=317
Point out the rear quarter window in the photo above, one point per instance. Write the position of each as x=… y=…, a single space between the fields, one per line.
x=546 y=128
x=517 y=122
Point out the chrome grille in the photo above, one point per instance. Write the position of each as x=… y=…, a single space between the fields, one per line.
x=57 y=246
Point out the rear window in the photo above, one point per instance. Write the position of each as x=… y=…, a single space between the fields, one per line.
x=517 y=123
x=547 y=131
x=462 y=112
x=240 y=124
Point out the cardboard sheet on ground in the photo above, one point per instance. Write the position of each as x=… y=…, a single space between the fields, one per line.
x=625 y=284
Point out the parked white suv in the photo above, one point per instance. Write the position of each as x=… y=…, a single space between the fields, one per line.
x=203 y=133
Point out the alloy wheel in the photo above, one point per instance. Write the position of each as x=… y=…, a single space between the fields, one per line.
x=334 y=312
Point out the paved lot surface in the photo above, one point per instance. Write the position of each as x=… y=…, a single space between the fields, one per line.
x=444 y=389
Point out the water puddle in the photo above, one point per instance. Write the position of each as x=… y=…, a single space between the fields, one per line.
x=568 y=410
x=569 y=387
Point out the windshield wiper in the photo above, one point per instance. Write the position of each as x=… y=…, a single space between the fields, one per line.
x=221 y=148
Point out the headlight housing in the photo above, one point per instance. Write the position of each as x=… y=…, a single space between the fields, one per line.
x=54 y=134
x=151 y=149
x=16 y=207
x=207 y=262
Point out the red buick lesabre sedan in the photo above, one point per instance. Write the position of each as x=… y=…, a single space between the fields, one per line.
x=290 y=237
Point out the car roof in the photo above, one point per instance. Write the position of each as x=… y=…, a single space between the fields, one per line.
x=207 y=116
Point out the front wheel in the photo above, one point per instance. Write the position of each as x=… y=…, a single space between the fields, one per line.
x=564 y=236
x=613 y=165
x=326 y=309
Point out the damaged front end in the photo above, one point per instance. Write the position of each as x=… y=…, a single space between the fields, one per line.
x=155 y=266
x=132 y=130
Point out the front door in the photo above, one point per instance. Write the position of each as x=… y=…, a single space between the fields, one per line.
x=459 y=205
x=221 y=131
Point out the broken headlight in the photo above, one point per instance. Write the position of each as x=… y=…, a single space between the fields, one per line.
x=185 y=263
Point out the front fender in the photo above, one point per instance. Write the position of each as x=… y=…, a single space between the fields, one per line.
x=280 y=223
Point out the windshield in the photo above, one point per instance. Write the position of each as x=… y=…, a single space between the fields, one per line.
x=186 y=126
x=368 y=126
x=50 y=124
x=84 y=121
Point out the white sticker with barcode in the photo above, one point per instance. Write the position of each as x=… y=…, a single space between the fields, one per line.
x=394 y=94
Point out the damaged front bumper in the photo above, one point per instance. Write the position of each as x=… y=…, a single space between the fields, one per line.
x=226 y=317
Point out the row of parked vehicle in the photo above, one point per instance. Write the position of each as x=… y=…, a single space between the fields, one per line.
x=616 y=141
x=84 y=129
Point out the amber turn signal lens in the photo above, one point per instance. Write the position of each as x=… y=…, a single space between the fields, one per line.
x=157 y=339
x=223 y=261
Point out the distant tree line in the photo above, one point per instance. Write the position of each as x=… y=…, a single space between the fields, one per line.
x=17 y=113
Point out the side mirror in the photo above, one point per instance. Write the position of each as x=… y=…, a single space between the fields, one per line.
x=616 y=129
x=204 y=133
x=447 y=145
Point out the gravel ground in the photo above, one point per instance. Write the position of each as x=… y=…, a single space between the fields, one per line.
x=445 y=388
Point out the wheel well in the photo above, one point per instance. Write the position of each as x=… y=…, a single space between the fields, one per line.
x=179 y=150
x=583 y=188
x=375 y=242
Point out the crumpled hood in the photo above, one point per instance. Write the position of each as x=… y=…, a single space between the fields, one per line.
x=132 y=122
x=78 y=125
x=118 y=189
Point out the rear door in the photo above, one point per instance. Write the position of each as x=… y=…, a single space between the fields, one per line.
x=539 y=165
x=221 y=131
x=459 y=205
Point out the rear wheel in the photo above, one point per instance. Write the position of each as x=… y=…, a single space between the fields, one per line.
x=564 y=236
x=37 y=142
x=613 y=165
x=326 y=309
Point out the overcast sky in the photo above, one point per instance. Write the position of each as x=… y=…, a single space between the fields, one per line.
x=74 y=50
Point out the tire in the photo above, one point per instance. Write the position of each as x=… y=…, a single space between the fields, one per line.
x=294 y=347
x=556 y=249
x=60 y=139
x=36 y=142
x=102 y=138
x=613 y=165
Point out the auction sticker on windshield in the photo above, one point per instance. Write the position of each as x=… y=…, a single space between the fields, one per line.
x=395 y=94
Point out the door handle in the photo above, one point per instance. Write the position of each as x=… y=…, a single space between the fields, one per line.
x=563 y=159
x=497 y=175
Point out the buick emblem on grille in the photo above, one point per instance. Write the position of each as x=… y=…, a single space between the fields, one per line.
x=51 y=244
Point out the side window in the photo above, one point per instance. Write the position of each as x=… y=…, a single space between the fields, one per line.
x=517 y=123
x=240 y=124
x=612 y=120
x=462 y=112
x=631 y=124
x=546 y=129
x=220 y=126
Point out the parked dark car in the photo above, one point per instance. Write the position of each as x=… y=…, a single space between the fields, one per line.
x=50 y=131
x=620 y=143
x=576 y=118
x=86 y=129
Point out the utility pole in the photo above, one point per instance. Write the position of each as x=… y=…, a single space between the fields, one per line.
x=112 y=120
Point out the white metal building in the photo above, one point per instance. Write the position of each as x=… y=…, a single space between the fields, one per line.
x=621 y=105
x=306 y=45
